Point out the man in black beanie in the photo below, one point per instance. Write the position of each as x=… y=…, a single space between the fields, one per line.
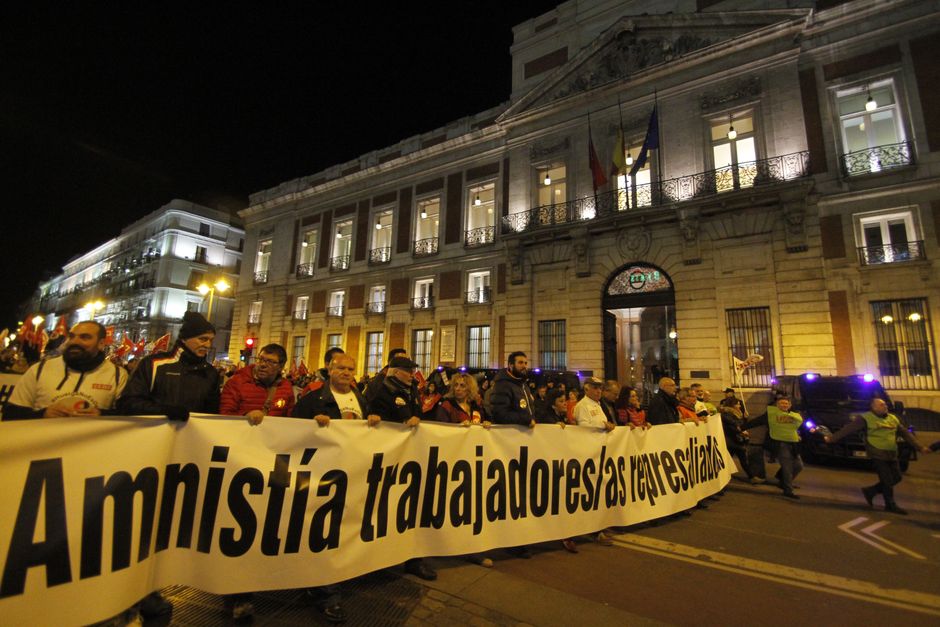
x=172 y=384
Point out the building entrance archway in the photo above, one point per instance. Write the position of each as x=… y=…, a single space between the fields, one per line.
x=639 y=322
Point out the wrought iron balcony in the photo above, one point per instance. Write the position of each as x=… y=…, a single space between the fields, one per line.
x=375 y=308
x=378 y=256
x=198 y=258
x=877 y=159
x=479 y=296
x=339 y=263
x=482 y=236
x=703 y=184
x=300 y=314
x=425 y=247
x=422 y=302
x=261 y=277
x=335 y=312
x=305 y=270
x=254 y=318
x=891 y=253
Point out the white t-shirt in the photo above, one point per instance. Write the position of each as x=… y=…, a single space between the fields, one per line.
x=589 y=413
x=347 y=403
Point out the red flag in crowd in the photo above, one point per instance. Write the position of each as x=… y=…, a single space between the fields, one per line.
x=61 y=328
x=109 y=336
x=302 y=369
x=162 y=344
x=126 y=345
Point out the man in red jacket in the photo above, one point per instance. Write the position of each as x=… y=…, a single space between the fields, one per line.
x=259 y=390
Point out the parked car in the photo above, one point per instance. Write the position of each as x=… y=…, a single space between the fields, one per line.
x=832 y=402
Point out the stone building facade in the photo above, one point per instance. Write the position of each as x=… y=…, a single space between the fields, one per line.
x=787 y=214
x=145 y=279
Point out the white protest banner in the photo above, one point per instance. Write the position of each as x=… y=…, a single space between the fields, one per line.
x=97 y=512
x=8 y=381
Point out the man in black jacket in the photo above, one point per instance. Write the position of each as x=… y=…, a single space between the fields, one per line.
x=396 y=400
x=664 y=406
x=339 y=399
x=173 y=384
x=178 y=382
x=512 y=401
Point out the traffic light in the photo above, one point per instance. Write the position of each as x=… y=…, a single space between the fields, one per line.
x=249 y=347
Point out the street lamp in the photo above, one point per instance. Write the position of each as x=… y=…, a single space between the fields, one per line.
x=37 y=320
x=204 y=289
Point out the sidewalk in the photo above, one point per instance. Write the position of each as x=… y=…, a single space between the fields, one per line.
x=464 y=594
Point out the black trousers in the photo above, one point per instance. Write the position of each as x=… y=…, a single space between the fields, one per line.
x=889 y=475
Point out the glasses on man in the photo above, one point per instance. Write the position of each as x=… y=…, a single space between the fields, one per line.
x=263 y=361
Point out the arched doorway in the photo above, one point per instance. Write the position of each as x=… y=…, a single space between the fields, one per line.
x=640 y=339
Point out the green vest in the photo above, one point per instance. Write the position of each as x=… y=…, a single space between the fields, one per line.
x=783 y=425
x=882 y=432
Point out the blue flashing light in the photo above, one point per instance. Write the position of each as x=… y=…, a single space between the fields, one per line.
x=868 y=378
x=810 y=425
x=440 y=368
x=810 y=376
x=462 y=369
x=537 y=371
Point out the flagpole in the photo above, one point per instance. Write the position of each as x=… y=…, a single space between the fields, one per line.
x=659 y=151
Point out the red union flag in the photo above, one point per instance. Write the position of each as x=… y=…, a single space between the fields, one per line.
x=109 y=336
x=162 y=344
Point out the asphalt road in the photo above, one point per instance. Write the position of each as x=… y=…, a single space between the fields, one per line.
x=755 y=558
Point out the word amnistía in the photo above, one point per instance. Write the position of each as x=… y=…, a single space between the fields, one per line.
x=435 y=493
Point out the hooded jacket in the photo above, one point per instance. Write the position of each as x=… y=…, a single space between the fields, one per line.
x=513 y=404
x=179 y=379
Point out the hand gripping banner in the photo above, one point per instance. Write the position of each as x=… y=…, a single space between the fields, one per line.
x=98 y=512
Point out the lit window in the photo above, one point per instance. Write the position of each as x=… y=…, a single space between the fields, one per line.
x=481 y=214
x=871 y=127
x=427 y=226
x=905 y=353
x=423 y=294
x=478 y=287
x=337 y=303
x=307 y=259
x=478 y=347
x=375 y=346
x=888 y=237
x=263 y=258
x=300 y=347
x=300 y=307
x=334 y=340
x=381 y=251
x=376 y=302
x=423 y=340
x=342 y=245
x=635 y=191
x=254 y=312
x=734 y=152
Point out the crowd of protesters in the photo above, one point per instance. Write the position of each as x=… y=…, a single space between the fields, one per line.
x=80 y=381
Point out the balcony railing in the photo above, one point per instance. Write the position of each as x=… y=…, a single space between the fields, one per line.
x=891 y=253
x=305 y=270
x=254 y=318
x=339 y=263
x=703 y=184
x=479 y=296
x=482 y=236
x=378 y=256
x=335 y=312
x=261 y=277
x=877 y=159
x=425 y=247
x=375 y=308
x=300 y=314
x=422 y=302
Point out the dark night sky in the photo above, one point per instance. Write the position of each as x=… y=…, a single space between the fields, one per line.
x=110 y=109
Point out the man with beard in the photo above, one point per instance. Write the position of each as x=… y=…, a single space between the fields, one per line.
x=79 y=383
x=512 y=401
x=259 y=390
x=180 y=381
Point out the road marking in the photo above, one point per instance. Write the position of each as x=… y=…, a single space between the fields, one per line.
x=870 y=531
x=847 y=527
x=922 y=602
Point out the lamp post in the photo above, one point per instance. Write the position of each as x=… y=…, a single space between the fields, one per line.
x=94 y=307
x=205 y=288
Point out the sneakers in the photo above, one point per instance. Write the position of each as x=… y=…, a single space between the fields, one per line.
x=478 y=559
x=894 y=509
x=869 y=495
x=604 y=540
x=790 y=495
x=569 y=545
x=242 y=609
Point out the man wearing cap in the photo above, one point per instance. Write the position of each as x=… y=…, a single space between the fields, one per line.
x=79 y=383
x=177 y=382
x=730 y=400
x=397 y=400
x=589 y=412
x=376 y=383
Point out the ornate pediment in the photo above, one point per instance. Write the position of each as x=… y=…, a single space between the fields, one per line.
x=627 y=54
